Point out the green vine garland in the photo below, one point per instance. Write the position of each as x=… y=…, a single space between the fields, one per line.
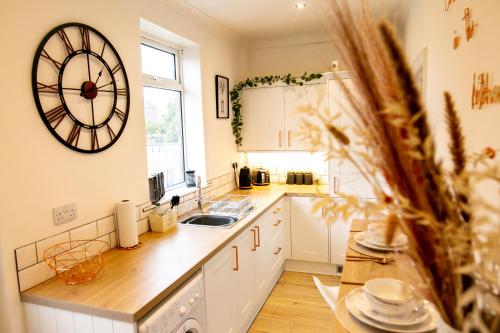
x=237 y=121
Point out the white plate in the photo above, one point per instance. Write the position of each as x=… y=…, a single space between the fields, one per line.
x=378 y=239
x=429 y=324
x=360 y=239
x=365 y=307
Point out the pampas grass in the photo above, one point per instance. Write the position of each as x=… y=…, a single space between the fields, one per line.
x=456 y=144
x=390 y=143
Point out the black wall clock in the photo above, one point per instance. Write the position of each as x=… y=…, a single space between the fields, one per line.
x=81 y=88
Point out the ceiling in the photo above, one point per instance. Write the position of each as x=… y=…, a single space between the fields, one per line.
x=262 y=19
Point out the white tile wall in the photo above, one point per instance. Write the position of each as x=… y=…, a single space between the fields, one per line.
x=34 y=275
x=44 y=244
x=278 y=163
x=26 y=256
x=113 y=240
x=143 y=226
x=32 y=269
x=85 y=232
x=106 y=225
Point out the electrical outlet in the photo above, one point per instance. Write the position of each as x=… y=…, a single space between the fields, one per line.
x=64 y=213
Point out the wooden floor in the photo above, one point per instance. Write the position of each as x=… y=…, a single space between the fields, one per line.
x=295 y=305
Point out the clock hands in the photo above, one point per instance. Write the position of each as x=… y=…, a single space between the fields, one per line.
x=87 y=90
x=99 y=75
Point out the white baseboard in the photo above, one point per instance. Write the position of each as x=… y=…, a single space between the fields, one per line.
x=311 y=267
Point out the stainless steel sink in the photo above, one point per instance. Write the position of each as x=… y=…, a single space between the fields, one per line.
x=209 y=220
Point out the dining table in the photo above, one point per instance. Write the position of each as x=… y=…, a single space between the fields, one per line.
x=357 y=272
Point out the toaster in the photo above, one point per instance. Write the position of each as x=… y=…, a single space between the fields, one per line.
x=260 y=177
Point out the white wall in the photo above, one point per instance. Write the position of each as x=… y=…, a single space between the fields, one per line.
x=428 y=25
x=38 y=173
x=312 y=53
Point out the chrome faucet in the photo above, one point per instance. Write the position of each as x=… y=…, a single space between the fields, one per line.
x=199 y=200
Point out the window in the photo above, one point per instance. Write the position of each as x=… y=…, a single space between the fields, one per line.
x=163 y=111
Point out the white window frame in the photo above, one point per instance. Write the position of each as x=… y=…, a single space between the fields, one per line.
x=160 y=82
x=169 y=84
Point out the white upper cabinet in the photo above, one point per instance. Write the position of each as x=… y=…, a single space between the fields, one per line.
x=271 y=121
x=303 y=103
x=309 y=231
x=345 y=178
x=263 y=121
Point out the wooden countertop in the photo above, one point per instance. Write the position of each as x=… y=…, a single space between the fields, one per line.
x=134 y=282
x=357 y=273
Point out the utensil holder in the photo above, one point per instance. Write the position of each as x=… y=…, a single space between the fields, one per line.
x=162 y=223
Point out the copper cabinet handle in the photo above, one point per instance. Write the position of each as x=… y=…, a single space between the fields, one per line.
x=278 y=250
x=258 y=235
x=335 y=185
x=277 y=210
x=278 y=221
x=254 y=240
x=280 y=138
x=237 y=268
x=289 y=139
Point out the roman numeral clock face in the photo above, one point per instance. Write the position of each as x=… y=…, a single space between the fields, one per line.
x=81 y=88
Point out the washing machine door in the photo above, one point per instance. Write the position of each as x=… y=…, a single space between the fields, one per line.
x=190 y=326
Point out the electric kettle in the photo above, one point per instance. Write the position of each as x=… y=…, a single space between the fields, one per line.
x=245 y=178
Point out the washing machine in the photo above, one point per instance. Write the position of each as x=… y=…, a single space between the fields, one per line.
x=182 y=312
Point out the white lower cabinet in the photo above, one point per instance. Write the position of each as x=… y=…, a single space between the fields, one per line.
x=46 y=319
x=309 y=231
x=220 y=291
x=245 y=278
x=240 y=277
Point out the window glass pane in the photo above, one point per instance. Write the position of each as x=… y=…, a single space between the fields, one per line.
x=164 y=142
x=157 y=62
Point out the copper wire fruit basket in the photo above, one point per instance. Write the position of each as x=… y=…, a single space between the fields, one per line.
x=78 y=261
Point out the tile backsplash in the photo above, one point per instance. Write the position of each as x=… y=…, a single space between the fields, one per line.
x=278 y=163
x=31 y=267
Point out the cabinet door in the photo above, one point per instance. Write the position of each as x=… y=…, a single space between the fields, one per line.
x=344 y=176
x=263 y=122
x=262 y=257
x=339 y=236
x=309 y=231
x=311 y=96
x=245 y=281
x=220 y=292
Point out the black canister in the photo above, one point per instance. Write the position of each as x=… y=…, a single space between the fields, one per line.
x=299 y=178
x=290 y=178
x=308 y=178
x=190 y=178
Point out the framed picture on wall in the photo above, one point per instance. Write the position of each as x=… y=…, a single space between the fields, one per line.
x=222 y=96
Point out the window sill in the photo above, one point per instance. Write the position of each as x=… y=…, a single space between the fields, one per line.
x=180 y=190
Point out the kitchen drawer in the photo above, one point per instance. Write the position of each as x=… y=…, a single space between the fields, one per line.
x=277 y=251
x=274 y=211
x=277 y=224
x=277 y=208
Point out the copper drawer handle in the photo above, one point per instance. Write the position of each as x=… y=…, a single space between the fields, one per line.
x=277 y=210
x=289 y=139
x=280 y=135
x=278 y=250
x=258 y=235
x=254 y=240
x=237 y=268
x=278 y=222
